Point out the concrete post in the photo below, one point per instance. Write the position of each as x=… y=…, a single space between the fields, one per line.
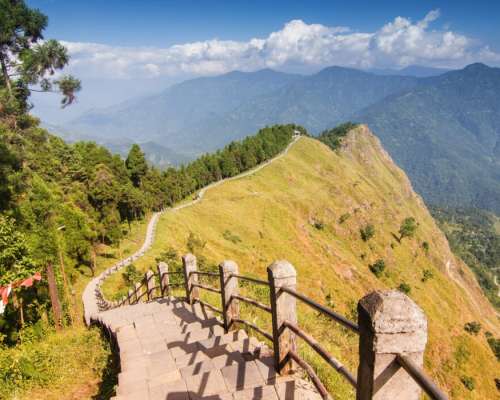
x=137 y=291
x=164 y=279
x=390 y=323
x=129 y=296
x=150 y=284
x=229 y=287
x=189 y=264
x=282 y=274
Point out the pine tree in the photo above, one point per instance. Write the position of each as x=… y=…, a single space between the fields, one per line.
x=136 y=165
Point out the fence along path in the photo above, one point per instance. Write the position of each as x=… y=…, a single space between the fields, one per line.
x=177 y=349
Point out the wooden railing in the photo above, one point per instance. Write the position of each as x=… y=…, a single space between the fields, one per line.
x=392 y=329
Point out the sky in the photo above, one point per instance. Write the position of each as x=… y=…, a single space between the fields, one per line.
x=128 y=48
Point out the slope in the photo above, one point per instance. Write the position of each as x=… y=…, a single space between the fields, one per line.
x=445 y=134
x=308 y=208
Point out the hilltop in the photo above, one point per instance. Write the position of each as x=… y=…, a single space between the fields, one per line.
x=309 y=207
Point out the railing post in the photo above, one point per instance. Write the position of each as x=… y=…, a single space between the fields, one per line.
x=390 y=323
x=189 y=264
x=129 y=296
x=164 y=279
x=282 y=274
x=150 y=284
x=229 y=287
x=137 y=291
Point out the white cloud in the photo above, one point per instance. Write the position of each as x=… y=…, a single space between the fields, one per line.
x=298 y=45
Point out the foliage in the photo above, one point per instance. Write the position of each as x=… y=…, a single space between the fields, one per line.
x=367 y=232
x=426 y=247
x=427 y=274
x=408 y=228
x=473 y=327
x=136 y=165
x=378 y=267
x=231 y=237
x=15 y=259
x=333 y=137
x=473 y=237
x=404 y=287
x=494 y=344
x=27 y=60
x=131 y=276
x=344 y=217
x=468 y=382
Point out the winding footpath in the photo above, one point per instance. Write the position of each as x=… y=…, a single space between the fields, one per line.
x=170 y=350
x=93 y=300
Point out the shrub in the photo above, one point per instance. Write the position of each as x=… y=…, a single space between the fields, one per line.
x=473 y=327
x=468 y=382
x=377 y=267
x=404 y=287
x=231 y=237
x=426 y=247
x=131 y=275
x=344 y=217
x=494 y=346
x=319 y=225
x=408 y=228
x=367 y=232
x=427 y=274
x=194 y=243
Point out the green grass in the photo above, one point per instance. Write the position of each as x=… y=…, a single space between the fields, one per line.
x=68 y=364
x=270 y=214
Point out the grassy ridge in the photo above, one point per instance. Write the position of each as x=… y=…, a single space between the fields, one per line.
x=309 y=208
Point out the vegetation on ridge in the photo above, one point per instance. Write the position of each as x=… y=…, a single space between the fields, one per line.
x=273 y=215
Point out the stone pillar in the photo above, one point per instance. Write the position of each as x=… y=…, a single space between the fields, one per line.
x=129 y=296
x=189 y=264
x=390 y=323
x=164 y=279
x=137 y=291
x=229 y=287
x=282 y=274
x=150 y=284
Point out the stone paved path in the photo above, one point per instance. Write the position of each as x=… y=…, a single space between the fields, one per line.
x=170 y=350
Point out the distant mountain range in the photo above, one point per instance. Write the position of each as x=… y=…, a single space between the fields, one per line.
x=442 y=128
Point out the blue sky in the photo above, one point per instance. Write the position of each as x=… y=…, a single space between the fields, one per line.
x=122 y=49
x=164 y=22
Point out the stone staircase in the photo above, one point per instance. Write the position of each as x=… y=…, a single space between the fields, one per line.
x=171 y=350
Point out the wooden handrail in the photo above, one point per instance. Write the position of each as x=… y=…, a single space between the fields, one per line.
x=330 y=313
x=253 y=302
x=332 y=361
x=306 y=367
x=420 y=377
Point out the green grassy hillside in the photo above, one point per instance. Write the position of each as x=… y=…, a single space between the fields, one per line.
x=308 y=207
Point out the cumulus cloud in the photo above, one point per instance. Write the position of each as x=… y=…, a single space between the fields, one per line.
x=398 y=43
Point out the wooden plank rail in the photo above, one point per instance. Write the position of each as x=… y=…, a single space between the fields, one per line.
x=408 y=337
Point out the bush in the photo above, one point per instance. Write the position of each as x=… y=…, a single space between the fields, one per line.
x=473 y=327
x=367 y=232
x=468 y=382
x=404 y=287
x=344 y=217
x=231 y=237
x=427 y=274
x=426 y=247
x=377 y=267
x=494 y=346
x=408 y=228
x=131 y=275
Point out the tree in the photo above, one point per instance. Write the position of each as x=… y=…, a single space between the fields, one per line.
x=367 y=232
x=408 y=228
x=136 y=165
x=26 y=61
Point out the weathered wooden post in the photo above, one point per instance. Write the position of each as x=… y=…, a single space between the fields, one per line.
x=390 y=323
x=164 y=279
x=137 y=291
x=190 y=278
x=229 y=287
x=282 y=274
x=150 y=284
